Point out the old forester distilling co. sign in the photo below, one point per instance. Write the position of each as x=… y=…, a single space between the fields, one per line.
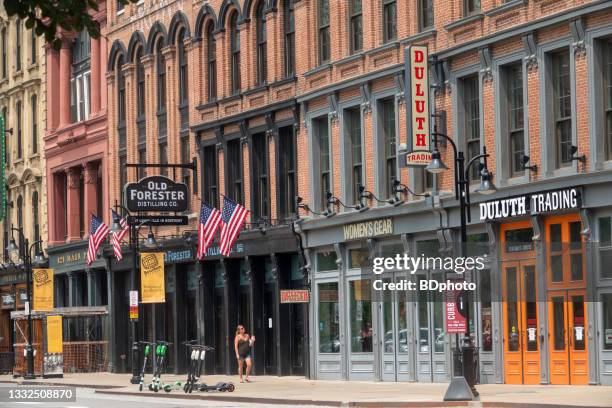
x=156 y=193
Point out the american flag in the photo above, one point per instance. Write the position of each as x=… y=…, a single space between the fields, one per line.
x=233 y=217
x=210 y=218
x=118 y=236
x=97 y=233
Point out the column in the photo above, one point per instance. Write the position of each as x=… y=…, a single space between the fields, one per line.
x=111 y=317
x=72 y=184
x=93 y=298
x=91 y=192
x=64 y=84
x=95 y=76
x=52 y=87
x=103 y=82
x=72 y=289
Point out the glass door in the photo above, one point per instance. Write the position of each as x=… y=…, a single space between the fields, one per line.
x=431 y=336
x=361 y=331
x=568 y=343
x=394 y=331
x=521 y=350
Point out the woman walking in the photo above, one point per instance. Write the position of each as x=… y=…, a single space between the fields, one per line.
x=242 y=345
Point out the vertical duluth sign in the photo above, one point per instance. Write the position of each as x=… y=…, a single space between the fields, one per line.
x=417 y=112
x=532 y=204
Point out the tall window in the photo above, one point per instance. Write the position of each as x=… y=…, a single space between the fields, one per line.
x=322 y=132
x=286 y=154
x=160 y=62
x=387 y=116
x=389 y=16
x=80 y=78
x=323 y=29
x=7 y=149
x=261 y=202
x=516 y=139
x=121 y=125
x=20 y=212
x=356 y=25
x=186 y=158
x=471 y=106
x=235 y=51
x=140 y=84
x=19 y=130
x=352 y=134
x=36 y=217
x=210 y=176
x=120 y=93
x=234 y=170
x=182 y=59
x=4 y=62
x=289 y=25
x=18 y=44
x=33 y=51
x=426 y=14
x=562 y=107
x=34 y=106
x=262 y=56
x=608 y=101
x=211 y=52
x=471 y=7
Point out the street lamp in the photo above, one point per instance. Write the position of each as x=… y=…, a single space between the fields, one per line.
x=134 y=248
x=462 y=193
x=24 y=251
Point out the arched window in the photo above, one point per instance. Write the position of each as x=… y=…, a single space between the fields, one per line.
x=140 y=84
x=289 y=26
x=261 y=42
x=182 y=59
x=34 y=106
x=120 y=93
x=35 y=217
x=20 y=212
x=211 y=52
x=235 y=52
x=161 y=76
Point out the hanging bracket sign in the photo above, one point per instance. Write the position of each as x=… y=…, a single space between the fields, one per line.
x=417 y=107
x=156 y=193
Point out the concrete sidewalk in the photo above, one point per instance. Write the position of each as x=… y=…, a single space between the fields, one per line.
x=300 y=391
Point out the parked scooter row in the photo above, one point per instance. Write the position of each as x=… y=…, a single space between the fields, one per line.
x=197 y=353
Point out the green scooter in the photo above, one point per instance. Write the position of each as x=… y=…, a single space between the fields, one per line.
x=161 y=351
x=147 y=350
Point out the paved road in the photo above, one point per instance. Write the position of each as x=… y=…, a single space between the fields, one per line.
x=87 y=398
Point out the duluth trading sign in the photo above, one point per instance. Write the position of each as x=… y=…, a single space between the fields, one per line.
x=532 y=204
x=156 y=193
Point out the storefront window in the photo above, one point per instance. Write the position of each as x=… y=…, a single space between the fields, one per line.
x=578 y=334
x=477 y=244
x=388 y=319
x=519 y=240
x=438 y=317
x=329 y=318
x=358 y=258
x=606 y=307
x=361 y=316
x=430 y=247
x=402 y=322
x=531 y=307
x=326 y=261
x=513 y=309
x=558 y=303
x=605 y=247
x=391 y=249
x=423 y=322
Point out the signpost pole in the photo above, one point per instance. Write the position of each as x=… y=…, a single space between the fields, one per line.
x=135 y=352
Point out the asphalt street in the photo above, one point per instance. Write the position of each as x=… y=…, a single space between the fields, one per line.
x=87 y=398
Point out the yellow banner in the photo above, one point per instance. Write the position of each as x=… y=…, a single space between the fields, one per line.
x=54 y=334
x=152 y=282
x=42 y=280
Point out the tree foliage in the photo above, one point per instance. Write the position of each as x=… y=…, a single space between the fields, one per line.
x=49 y=15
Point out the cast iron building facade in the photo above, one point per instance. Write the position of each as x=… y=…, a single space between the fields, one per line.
x=214 y=81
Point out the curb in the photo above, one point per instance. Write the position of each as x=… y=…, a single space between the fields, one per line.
x=58 y=384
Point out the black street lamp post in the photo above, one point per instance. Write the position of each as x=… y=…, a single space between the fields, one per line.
x=24 y=250
x=462 y=193
x=134 y=246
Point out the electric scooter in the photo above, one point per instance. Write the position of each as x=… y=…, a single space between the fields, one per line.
x=161 y=351
x=203 y=387
x=147 y=350
x=193 y=354
x=198 y=353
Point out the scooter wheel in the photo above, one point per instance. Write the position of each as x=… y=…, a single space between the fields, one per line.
x=155 y=388
x=167 y=388
x=150 y=387
x=140 y=387
x=231 y=387
x=186 y=387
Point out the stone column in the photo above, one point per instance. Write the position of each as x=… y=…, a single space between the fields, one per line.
x=52 y=87
x=95 y=76
x=72 y=289
x=64 y=80
x=91 y=192
x=111 y=316
x=72 y=184
x=103 y=83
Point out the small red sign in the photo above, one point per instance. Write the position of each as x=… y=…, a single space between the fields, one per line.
x=133 y=312
x=455 y=320
x=294 y=296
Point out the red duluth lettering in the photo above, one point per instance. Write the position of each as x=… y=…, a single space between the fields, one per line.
x=420 y=105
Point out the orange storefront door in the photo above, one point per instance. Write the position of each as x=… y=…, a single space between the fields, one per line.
x=521 y=345
x=568 y=337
